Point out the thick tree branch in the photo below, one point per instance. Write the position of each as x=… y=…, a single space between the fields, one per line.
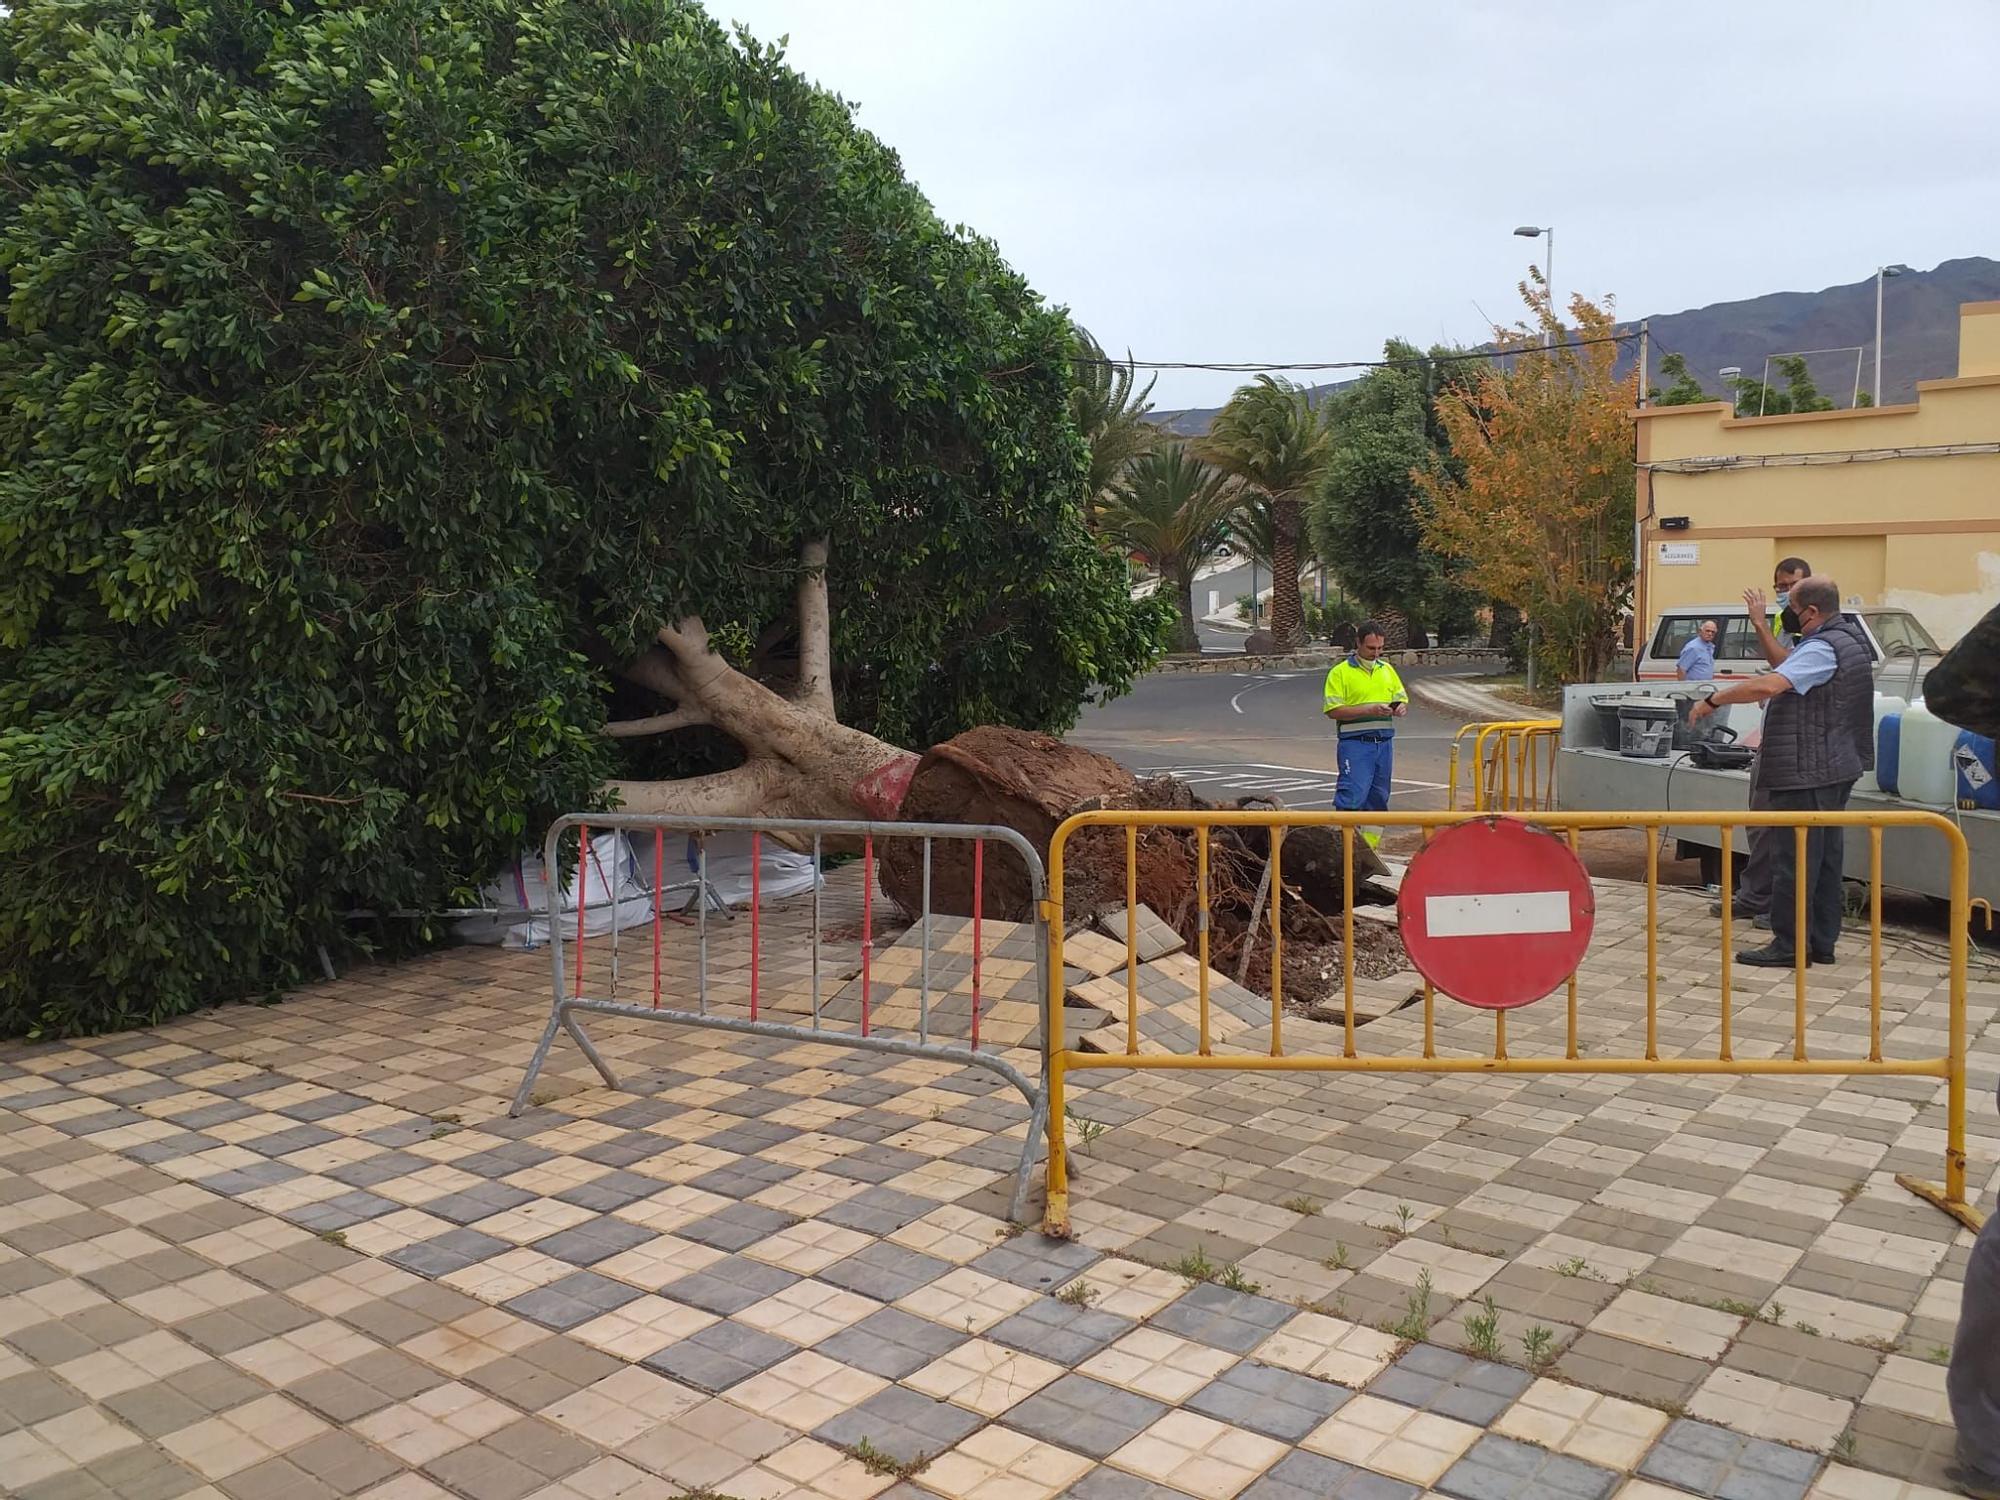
x=751 y=790
x=667 y=723
x=654 y=669
x=815 y=689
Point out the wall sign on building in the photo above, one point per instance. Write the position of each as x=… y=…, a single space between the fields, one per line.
x=1679 y=554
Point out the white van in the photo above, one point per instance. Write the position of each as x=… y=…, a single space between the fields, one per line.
x=1897 y=638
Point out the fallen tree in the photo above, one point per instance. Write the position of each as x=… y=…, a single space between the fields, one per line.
x=418 y=420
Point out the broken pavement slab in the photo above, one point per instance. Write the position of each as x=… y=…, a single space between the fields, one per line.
x=1155 y=939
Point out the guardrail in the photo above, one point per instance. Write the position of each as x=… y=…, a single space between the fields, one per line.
x=1273 y=1056
x=1513 y=765
x=943 y=1027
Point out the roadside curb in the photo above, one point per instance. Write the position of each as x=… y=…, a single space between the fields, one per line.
x=1473 y=704
x=1321 y=657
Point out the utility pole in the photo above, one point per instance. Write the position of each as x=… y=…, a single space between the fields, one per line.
x=1882 y=274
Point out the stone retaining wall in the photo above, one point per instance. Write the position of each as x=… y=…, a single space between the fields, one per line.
x=1326 y=656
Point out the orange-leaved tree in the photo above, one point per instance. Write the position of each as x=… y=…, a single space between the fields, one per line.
x=1541 y=503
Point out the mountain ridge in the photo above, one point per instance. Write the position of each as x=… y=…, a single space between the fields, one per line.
x=1920 y=335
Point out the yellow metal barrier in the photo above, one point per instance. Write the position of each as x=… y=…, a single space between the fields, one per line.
x=1509 y=761
x=1951 y=1067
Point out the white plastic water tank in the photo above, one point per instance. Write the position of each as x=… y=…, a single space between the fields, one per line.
x=1885 y=703
x=1926 y=743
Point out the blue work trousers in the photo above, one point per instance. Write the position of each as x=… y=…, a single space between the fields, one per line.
x=1366 y=761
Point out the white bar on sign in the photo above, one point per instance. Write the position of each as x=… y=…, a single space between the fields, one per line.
x=1503 y=913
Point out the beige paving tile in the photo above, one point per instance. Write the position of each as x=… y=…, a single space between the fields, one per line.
x=623 y=1405
x=434 y=1423
x=642 y=1327
x=817 y=1471
x=952 y=1233
x=465 y=1344
x=1331 y=1348
x=1662 y=1323
x=808 y=1311
x=291 y=1357
x=146 y=1360
x=1582 y=1423
x=1198 y=1455
x=1392 y=1439
x=235 y=1440
x=1914 y=1387
x=967 y=1299
x=508 y=1275
x=984 y=1377
x=1764 y=1408
x=1456 y=1273
x=673 y=1207
x=1129 y=1289
x=1840 y=1482
x=808 y=1246
x=659 y=1261
x=805 y=1391
x=1842 y=1317
x=810 y=1193
x=1159 y=1365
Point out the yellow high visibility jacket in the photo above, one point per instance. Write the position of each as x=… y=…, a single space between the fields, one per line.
x=1354 y=681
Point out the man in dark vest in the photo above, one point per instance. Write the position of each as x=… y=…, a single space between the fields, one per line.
x=1819 y=725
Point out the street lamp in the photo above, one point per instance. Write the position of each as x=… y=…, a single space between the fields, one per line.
x=1731 y=374
x=1535 y=232
x=1882 y=274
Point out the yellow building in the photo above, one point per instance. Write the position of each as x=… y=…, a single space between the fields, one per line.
x=1899 y=504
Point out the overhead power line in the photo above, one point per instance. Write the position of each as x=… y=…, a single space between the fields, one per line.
x=1250 y=367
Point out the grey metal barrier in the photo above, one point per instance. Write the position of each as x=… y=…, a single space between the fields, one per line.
x=574 y=987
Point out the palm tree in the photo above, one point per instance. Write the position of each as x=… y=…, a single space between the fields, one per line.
x=1111 y=417
x=1270 y=439
x=1172 y=512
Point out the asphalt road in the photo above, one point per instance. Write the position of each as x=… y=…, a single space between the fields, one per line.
x=1232 y=734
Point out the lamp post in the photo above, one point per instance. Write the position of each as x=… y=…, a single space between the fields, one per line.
x=1535 y=232
x=1731 y=374
x=1882 y=274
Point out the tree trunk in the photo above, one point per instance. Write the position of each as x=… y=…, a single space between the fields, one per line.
x=800 y=761
x=1288 y=627
x=1395 y=628
x=1186 y=638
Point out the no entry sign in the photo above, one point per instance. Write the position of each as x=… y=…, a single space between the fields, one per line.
x=1495 y=913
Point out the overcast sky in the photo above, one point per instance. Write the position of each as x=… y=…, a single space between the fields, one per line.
x=1251 y=179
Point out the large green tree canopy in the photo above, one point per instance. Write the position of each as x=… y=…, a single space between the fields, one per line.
x=375 y=376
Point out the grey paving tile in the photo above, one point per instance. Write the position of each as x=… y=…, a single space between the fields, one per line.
x=876 y=1163
x=1712 y=1461
x=504 y=1160
x=729 y=1285
x=1112 y=1484
x=452 y=1251
x=736 y=1227
x=902 y=1424
x=612 y=1190
x=594 y=1240
x=344 y=1212
x=743 y=1178
x=1308 y=1476
x=1451 y=1384
x=1499 y=1468
x=626 y=1150
x=1085 y=1415
x=1222 y=1319
x=1277 y=1403
x=718 y=1356
x=1037 y=1262
x=891 y=1343
x=878 y=1210
x=1060 y=1332
x=573 y=1300
x=883 y=1271
x=476 y=1203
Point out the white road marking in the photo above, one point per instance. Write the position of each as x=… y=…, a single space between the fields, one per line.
x=1236 y=703
x=1498 y=914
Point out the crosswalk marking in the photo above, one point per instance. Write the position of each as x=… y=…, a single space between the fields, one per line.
x=1298 y=786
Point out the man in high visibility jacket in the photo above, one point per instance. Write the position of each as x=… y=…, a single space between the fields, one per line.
x=1364 y=698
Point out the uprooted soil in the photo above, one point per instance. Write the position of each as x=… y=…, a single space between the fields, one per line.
x=1031 y=783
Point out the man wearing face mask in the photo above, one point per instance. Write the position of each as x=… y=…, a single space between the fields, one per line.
x=1753 y=891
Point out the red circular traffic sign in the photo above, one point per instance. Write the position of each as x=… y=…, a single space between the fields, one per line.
x=1495 y=913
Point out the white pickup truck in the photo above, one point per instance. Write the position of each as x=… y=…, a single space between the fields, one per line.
x=1903 y=648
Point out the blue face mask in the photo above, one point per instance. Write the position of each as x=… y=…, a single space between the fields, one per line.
x=1784 y=597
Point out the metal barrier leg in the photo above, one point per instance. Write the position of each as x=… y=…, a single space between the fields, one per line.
x=541 y=1055
x=1038 y=1118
